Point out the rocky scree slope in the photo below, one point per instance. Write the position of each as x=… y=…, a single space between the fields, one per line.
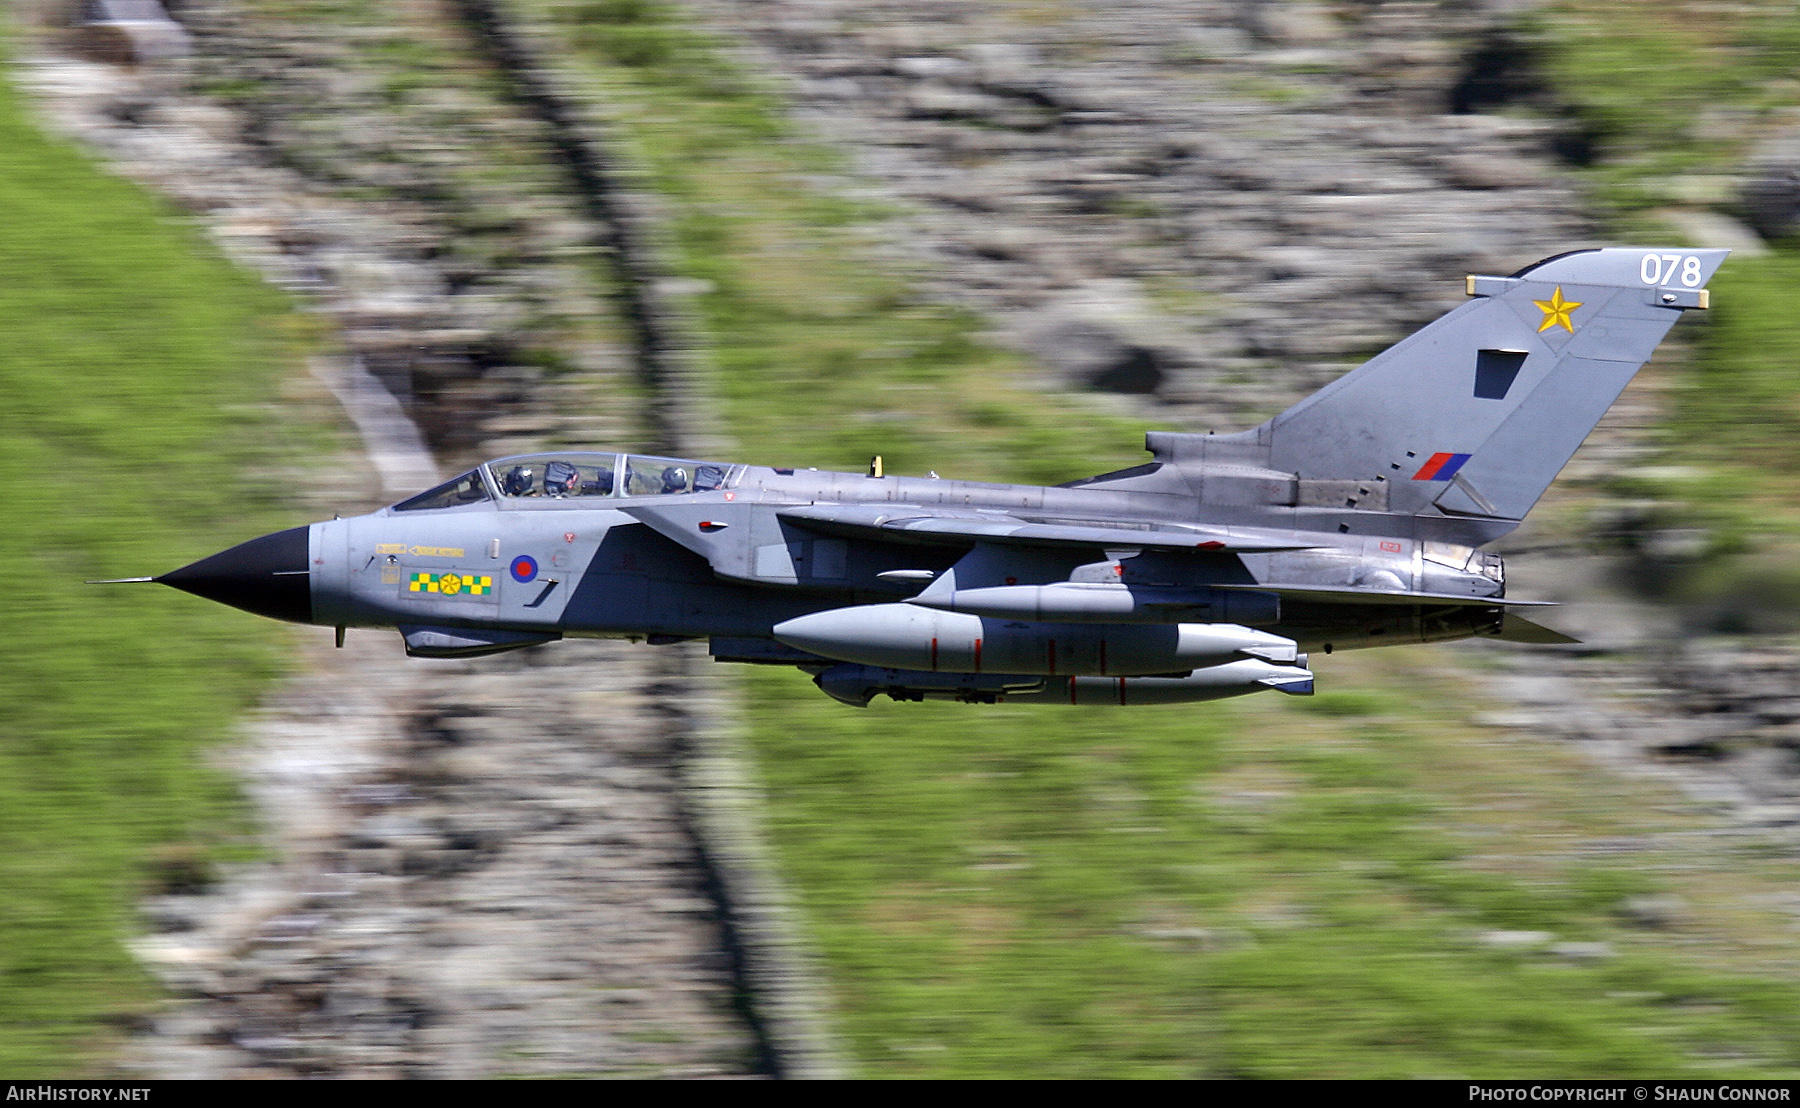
x=485 y=868
x=1216 y=207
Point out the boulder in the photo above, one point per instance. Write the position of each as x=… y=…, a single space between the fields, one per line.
x=1092 y=355
x=1771 y=189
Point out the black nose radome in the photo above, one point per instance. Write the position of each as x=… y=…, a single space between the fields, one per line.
x=267 y=576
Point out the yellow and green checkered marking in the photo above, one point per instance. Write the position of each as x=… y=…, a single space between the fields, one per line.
x=451 y=584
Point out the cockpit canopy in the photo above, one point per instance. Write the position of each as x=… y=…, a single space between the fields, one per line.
x=554 y=477
x=572 y=476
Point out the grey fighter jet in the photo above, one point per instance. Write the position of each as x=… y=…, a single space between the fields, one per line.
x=1354 y=519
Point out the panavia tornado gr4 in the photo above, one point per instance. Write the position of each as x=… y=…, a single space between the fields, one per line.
x=1354 y=519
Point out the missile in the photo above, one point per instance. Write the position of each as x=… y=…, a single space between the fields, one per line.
x=1080 y=602
x=856 y=685
x=906 y=636
x=1239 y=678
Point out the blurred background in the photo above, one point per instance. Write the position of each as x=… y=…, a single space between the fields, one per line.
x=995 y=239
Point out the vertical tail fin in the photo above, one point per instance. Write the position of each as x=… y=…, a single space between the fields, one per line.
x=1478 y=412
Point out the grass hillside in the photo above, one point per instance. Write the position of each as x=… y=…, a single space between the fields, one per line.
x=1353 y=886
x=134 y=372
x=1664 y=114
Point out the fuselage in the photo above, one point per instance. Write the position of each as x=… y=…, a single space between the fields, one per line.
x=570 y=559
x=1355 y=518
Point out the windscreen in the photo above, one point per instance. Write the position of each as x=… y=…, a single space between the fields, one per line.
x=467 y=489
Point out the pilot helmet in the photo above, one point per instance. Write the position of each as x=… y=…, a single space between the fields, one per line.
x=561 y=479
x=674 y=479
x=517 y=481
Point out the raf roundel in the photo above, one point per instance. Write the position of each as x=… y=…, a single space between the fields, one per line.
x=524 y=568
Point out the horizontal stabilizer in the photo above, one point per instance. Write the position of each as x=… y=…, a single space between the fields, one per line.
x=1515 y=629
x=898 y=523
x=1332 y=594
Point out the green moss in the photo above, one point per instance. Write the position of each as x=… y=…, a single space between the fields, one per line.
x=1741 y=401
x=133 y=370
x=1010 y=892
x=1670 y=109
x=1644 y=93
x=1269 y=888
x=797 y=318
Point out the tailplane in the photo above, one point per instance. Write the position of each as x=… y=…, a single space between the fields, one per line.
x=1477 y=413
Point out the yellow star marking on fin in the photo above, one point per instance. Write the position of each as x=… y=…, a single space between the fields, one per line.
x=1556 y=311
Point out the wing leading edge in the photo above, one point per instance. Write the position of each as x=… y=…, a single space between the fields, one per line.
x=899 y=523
